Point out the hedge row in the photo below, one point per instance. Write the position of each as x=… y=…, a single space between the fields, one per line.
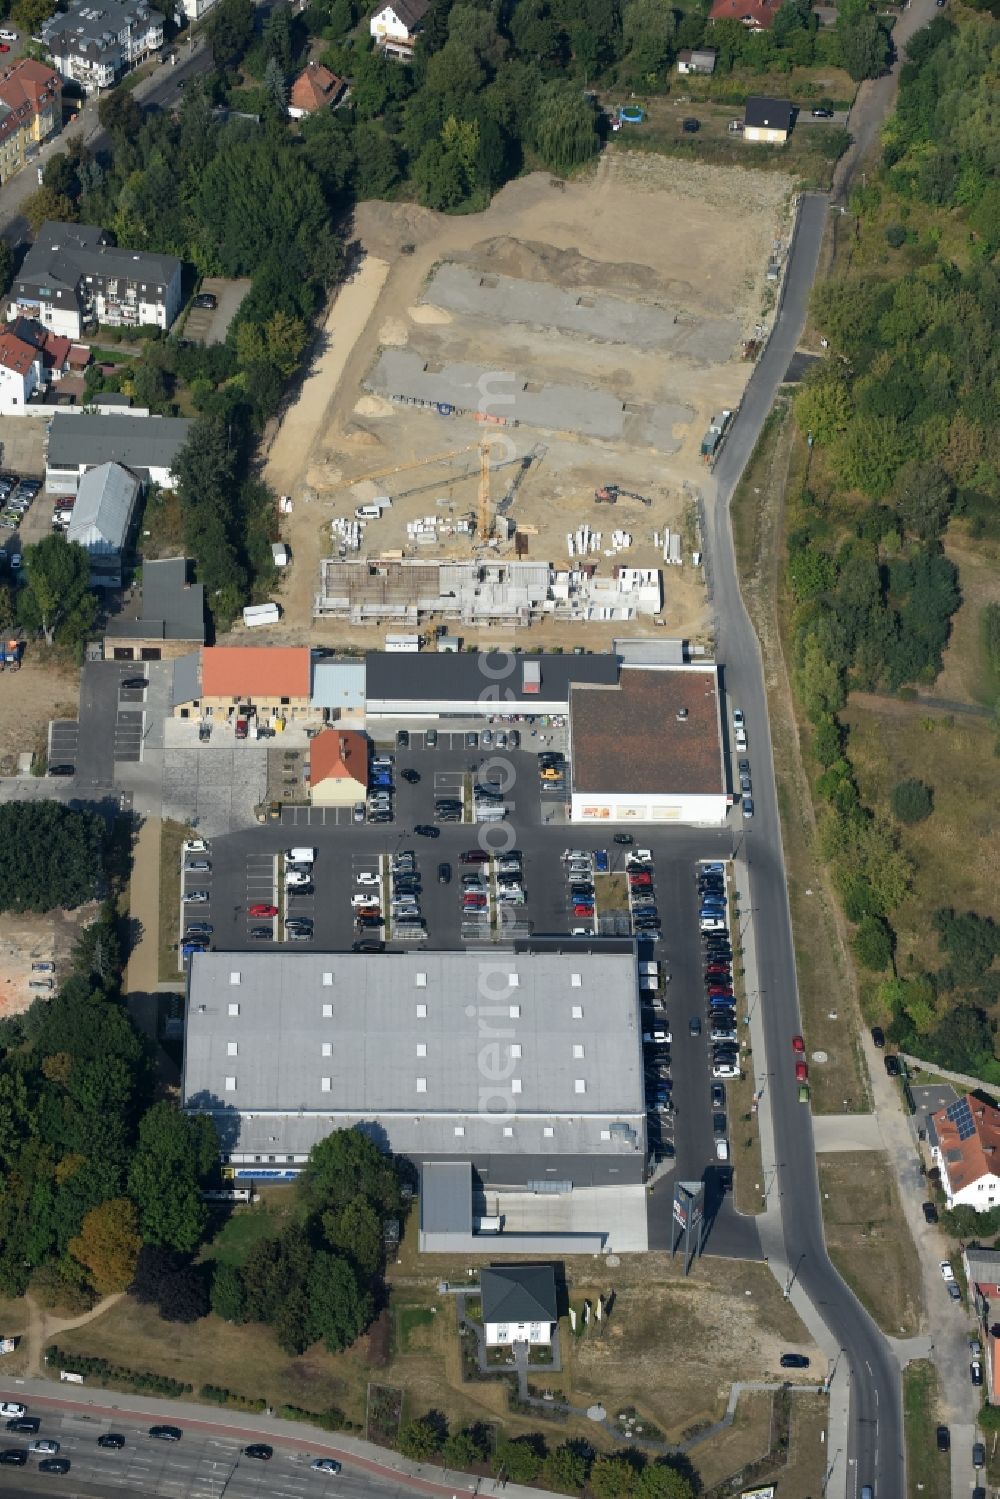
x=219 y=1396
x=130 y=1379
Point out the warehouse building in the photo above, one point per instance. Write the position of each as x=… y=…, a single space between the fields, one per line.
x=435 y=687
x=525 y=1065
x=148 y=445
x=649 y=748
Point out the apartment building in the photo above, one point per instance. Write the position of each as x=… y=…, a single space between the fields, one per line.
x=30 y=111
x=73 y=276
x=95 y=42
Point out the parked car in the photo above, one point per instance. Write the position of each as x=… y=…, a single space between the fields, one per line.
x=878 y=1037
x=325 y=1465
x=54 y=1465
x=111 y=1439
x=260 y=1450
x=12 y=1408
x=206 y=299
x=261 y=909
x=947 y=1273
x=976 y=1375
x=930 y=1212
x=794 y=1361
x=891 y=1065
x=943 y=1439
x=166 y=1433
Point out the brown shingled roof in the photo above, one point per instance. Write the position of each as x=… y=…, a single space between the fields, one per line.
x=629 y=739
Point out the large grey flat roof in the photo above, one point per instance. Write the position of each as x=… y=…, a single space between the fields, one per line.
x=439 y=1050
x=62 y=253
x=440 y=677
x=138 y=442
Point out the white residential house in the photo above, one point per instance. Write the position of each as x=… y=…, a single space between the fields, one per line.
x=20 y=374
x=965 y=1144
x=519 y=1305
x=395 y=27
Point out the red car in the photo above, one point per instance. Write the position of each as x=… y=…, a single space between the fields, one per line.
x=475 y=902
x=638 y=880
x=799 y=1045
x=717 y=970
x=262 y=910
x=801 y=1072
x=583 y=910
x=4 y=47
x=242 y=728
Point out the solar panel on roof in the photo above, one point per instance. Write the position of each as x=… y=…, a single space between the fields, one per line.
x=961 y=1116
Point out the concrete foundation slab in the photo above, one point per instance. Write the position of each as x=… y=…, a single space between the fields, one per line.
x=620 y=1212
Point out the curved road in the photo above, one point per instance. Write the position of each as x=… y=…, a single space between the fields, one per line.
x=876 y=1443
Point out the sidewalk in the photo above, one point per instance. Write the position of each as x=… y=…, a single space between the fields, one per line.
x=352 y=1451
x=769 y=1224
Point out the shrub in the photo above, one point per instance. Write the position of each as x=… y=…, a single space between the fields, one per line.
x=912 y=801
x=873 y=944
x=896 y=236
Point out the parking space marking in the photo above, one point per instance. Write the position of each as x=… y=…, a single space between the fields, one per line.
x=64 y=739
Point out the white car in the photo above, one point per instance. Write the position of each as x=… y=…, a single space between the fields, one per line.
x=364 y=900
x=195 y=846
x=722 y=1150
x=11 y=1408
x=947 y=1273
x=367 y=878
x=725 y=1069
x=45 y=1447
x=294 y=878
x=741 y=740
x=739 y=722
x=325 y=1465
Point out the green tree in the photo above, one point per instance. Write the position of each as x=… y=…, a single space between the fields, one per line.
x=864 y=46
x=516 y=1460
x=274 y=84
x=912 y=801
x=565 y=1468
x=377 y=171
x=872 y=944
x=230 y=31
x=51 y=857
x=6 y=267
x=564 y=127
x=613 y=1476
x=924 y=495
x=664 y=1480
x=419 y=1439
x=227 y=1294
x=648 y=28
x=339 y=1309
x=462 y=1450
x=57 y=598
x=823 y=402
x=344 y=1166
x=45 y=204
x=356 y=1230
x=174 y=1155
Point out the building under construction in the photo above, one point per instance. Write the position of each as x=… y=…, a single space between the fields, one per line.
x=406 y=591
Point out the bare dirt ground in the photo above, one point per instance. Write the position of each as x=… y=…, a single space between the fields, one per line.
x=688 y=239
x=41 y=690
x=30 y=938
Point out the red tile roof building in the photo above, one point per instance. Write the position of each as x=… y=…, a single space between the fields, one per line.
x=755 y=15
x=315 y=88
x=965 y=1143
x=258 y=674
x=338 y=767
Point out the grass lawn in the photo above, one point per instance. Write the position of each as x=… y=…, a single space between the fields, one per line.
x=239 y=1233
x=410 y=1322
x=610 y=893
x=172 y=835
x=868 y=1239
x=955 y=849
x=162 y=527
x=826 y=981
x=966 y=676
x=927 y=1469
x=808 y=156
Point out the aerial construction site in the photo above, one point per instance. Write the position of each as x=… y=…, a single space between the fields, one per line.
x=502 y=426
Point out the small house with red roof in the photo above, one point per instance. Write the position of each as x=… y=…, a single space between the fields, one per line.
x=20 y=373
x=338 y=768
x=755 y=15
x=314 y=89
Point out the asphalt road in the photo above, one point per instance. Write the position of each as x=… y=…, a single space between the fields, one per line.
x=202 y=1465
x=876 y=1439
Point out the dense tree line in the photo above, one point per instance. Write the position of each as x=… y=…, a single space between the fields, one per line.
x=51 y=857
x=904 y=410
x=320 y=1279
x=89 y=1171
x=566 y=1468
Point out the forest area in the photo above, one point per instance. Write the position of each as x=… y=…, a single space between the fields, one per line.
x=903 y=412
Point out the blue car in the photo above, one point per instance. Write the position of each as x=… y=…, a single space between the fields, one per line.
x=601 y=863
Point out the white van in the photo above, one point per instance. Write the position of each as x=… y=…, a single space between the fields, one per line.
x=300 y=855
x=367 y=512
